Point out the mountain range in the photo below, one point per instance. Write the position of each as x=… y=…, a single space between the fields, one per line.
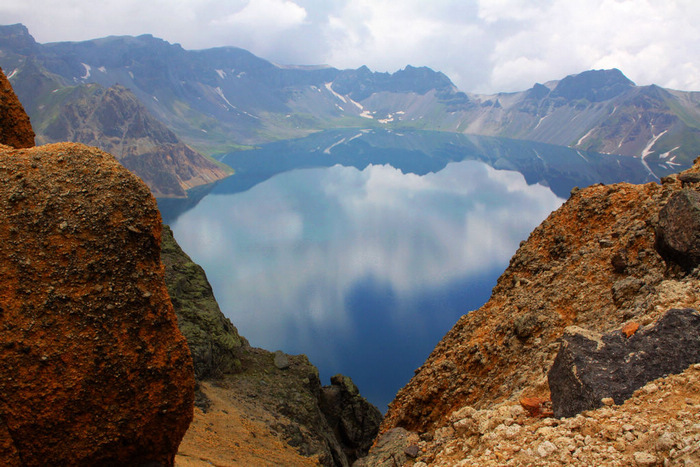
x=218 y=100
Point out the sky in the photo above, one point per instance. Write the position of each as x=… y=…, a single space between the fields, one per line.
x=484 y=46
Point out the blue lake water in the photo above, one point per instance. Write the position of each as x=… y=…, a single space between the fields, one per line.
x=364 y=266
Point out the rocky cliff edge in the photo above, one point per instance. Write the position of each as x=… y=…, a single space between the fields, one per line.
x=611 y=257
x=15 y=128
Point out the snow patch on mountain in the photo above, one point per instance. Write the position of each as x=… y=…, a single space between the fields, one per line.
x=330 y=88
x=328 y=149
x=578 y=143
x=88 y=68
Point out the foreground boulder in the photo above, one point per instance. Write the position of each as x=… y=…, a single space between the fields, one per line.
x=592 y=366
x=93 y=370
x=15 y=129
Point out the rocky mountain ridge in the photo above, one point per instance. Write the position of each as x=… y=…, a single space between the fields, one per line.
x=116 y=122
x=601 y=262
x=112 y=119
x=219 y=99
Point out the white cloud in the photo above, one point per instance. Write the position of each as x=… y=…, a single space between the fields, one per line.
x=294 y=247
x=270 y=16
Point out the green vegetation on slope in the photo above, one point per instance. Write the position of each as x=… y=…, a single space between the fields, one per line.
x=213 y=340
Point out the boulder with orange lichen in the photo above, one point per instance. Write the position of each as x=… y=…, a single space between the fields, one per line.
x=15 y=129
x=93 y=370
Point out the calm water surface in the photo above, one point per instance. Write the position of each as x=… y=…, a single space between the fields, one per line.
x=362 y=269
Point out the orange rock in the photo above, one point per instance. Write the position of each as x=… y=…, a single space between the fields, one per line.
x=536 y=406
x=629 y=329
x=93 y=369
x=15 y=129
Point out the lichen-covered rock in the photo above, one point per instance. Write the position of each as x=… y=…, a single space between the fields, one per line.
x=15 y=129
x=213 y=340
x=93 y=370
x=592 y=366
x=354 y=421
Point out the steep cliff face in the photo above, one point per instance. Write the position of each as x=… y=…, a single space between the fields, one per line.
x=596 y=263
x=15 y=129
x=93 y=368
x=213 y=340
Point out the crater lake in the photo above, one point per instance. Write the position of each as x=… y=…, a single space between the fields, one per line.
x=361 y=248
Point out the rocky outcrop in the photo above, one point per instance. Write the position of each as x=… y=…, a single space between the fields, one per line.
x=288 y=401
x=595 y=263
x=678 y=231
x=591 y=367
x=332 y=424
x=354 y=421
x=213 y=340
x=15 y=129
x=93 y=369
x=395 y=447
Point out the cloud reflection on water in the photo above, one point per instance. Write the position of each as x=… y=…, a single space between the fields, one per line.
x=295 y=260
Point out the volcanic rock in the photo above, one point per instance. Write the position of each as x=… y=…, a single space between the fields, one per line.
x=678 y=232
x=93 y=370
x=591 y=366
x=354 y=421
x=115 y=121
x=15 y=129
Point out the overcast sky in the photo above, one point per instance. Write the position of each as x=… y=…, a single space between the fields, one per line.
x=482 y=45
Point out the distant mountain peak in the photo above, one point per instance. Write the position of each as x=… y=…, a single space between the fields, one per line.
x=593 y=85
x=17 y=38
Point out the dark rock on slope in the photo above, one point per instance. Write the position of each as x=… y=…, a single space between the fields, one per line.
x=678 y=232
x=15 y=128
x=592 y=366
x=354 y=421
x=214 y=342
x=93 y=370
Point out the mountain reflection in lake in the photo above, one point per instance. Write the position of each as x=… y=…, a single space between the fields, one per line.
x=362 y=270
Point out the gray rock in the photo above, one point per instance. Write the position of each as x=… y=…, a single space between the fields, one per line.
x=678 y=231
x=692 y=177
x=354 y=421
x=281 y=360
x=592 y=366
x=390 y=449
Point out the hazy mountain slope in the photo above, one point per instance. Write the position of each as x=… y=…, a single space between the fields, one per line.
x=115 y=121
x=218 y=99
